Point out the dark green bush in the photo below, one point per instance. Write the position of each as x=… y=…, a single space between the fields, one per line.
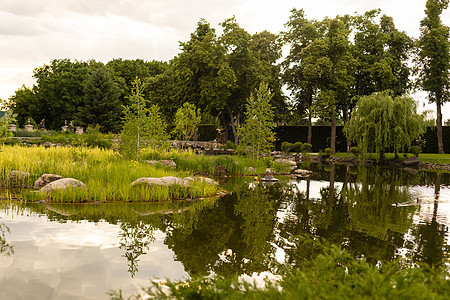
x=306 y=148
x=286 y=147
x=298 y=147
x=354 y=151
x=416 y=150
x=328 y=151
x=94 y=138
x=229 y=145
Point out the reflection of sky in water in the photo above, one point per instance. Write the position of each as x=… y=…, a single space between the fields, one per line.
x=74 y=260
x=427 y=204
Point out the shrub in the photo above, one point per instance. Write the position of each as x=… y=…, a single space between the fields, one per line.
x=298 y=147
x=306 y=148
x=354 y=151
x=328 y=151
x=94 y=138
x=416 y=150
x=286 y=147
x=229 y=145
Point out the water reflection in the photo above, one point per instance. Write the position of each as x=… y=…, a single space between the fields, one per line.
x=375 y=213
x=5 y=248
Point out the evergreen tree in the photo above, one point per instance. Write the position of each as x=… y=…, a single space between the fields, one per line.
x=101 y=103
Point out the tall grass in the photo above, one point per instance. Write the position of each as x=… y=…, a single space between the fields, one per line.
x=236 y=165
x=106 y=175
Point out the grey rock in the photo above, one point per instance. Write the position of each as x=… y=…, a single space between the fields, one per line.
x=163 y=181
x=46 y=179
x=62 y=184
x=202 y=179
x=269 y=178
x=412 y=161
x=18 y=176
x=221 y=171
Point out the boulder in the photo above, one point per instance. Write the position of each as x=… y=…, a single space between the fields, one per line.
x=269 y=178
x=62 y=184
x=250 y=169
x=164 y=163
x=291 y=163
x=221 y=171
x=348 y=159
x=302 y=173
x=163 y=181
x=46 y=179
x=412 y=161
x=18 y=176
x=202 y=179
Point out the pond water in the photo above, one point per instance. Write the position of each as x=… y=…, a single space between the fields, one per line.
x=67 y=251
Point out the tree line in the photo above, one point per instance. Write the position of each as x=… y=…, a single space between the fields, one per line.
x=330 y=65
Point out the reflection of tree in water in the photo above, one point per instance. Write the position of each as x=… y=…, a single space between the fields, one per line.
x=135 y=239
x=5 y=248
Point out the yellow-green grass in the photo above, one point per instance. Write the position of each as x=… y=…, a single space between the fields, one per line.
x=106 y=175
x=236 y=164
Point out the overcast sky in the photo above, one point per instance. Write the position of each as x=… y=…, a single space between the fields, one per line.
x=33 y=32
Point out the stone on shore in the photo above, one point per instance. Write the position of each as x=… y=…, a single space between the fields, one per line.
x=163 y=181
x=46 y=179
x=62 y=184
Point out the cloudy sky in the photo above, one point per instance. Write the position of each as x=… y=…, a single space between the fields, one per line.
x=33 y=32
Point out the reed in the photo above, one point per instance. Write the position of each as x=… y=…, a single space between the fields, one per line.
x=105 y=173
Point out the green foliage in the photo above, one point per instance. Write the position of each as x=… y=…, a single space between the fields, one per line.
x=297 y=147
x=416 y=150
x=143 y=127
x=186 y=121
x=286 y=147
x=229 y=145
x=7 y=119
x=256 y=135
x=101 y=105
x=306 y=148
x=333 y=274
x=354 y=150
x=327 y=151
x=94 y=138
x=380 y=123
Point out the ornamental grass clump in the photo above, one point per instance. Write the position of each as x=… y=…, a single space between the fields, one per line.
x=107 y=176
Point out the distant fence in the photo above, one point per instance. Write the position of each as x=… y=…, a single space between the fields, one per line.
x=321 y=137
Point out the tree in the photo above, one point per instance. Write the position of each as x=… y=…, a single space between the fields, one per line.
x=434 y=60
x=143 y=127
x=25 y=104
x=60 y=90
x=101 y=103
x=5 y=120
x=256 y=135
x=380 y=123
x=187 y=120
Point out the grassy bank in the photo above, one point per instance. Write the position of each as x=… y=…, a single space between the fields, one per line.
x=423 y=157
x=106 y=175
x=236 y=165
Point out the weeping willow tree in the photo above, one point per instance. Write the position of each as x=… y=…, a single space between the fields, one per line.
x=381 y=123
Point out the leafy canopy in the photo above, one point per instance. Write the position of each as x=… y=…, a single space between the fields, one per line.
x=380 y=123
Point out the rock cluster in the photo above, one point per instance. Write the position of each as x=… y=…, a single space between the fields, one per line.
x=172 y=181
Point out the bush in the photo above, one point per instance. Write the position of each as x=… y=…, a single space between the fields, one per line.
x=416 y=150
x=328 y=151
x=298 y=147
x=229 y=145
x=94 y=138
x=306 y=148
x=286 y=147
x=354 y=151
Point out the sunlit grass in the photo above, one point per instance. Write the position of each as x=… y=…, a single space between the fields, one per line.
x=106 y=175
x=424 y=157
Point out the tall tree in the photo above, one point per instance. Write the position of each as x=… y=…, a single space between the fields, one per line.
x=434 y=60
x=60 y=89
x=300 y=33
x=101 y=103
x=25 y=104
x=257 y=134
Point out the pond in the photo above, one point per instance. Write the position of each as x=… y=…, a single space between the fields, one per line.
x=68 y=251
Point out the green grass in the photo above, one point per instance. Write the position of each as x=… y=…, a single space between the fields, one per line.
x=106 y=175
x=236 y=164
x=424 y=157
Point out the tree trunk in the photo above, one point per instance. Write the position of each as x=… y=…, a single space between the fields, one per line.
x=439 y=127
x=309 y=128
x=349 y=142
x=333 y=133
x=233 y=126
